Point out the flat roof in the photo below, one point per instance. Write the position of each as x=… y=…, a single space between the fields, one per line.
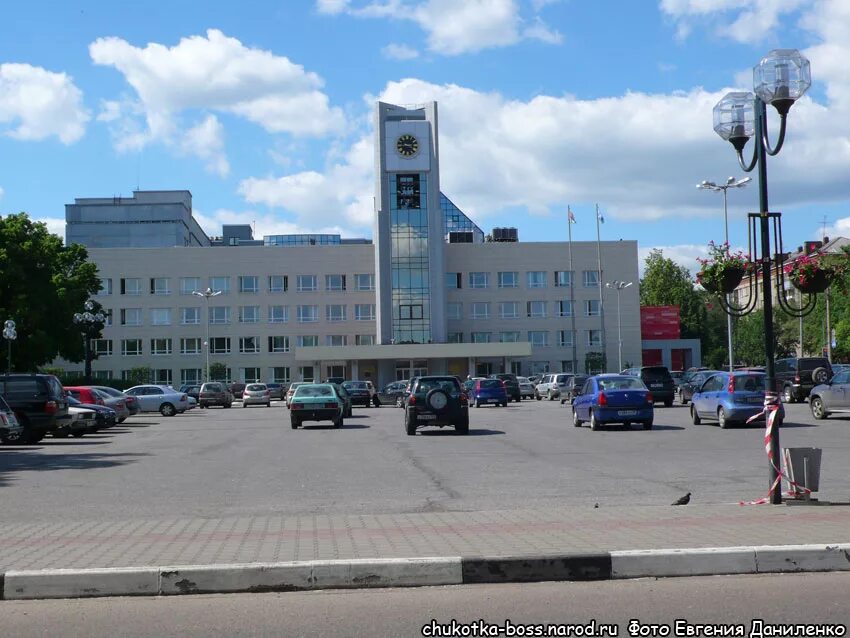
x=414 y=351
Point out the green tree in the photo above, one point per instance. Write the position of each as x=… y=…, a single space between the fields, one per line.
x=218 y=371
x=749 y=337
x=140 y=375
x=42 y=285
x=594 y=362
x=665 y=283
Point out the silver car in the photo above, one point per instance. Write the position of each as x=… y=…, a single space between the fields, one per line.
x=256 y=394
x=159 y=398
x=119 y=404
x=832 y=397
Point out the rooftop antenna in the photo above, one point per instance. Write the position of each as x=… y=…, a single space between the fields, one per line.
x=823 y=232
x=139 y=171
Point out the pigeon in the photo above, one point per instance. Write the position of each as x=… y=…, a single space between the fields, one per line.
x=683 y=500
x=596 y=506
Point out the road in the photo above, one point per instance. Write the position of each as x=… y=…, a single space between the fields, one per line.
x=247 y=461
x=790 y=598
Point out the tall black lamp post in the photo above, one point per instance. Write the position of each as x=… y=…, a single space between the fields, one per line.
x=90 y=324
x=779 y=79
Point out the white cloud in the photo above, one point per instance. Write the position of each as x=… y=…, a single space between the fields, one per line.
x=399 y=52
x=262 y=223
x=744 y=21
x=1 y=192
x=683 y=254
x=36 y=103
x=206 y=141
x=55 y=225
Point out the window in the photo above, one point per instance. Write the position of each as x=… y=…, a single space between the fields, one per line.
x=105 y=287
x=191 y=375
x=188 y=285
x=481 y=310
x=567 y=366
x=278 y=314
x=364 y=282
x=364 y=340
x=220 y=345
x=131 y=347
x=308 y=314
x=131 y=286
x=219 y=314
x=538 y=338
x=479 y=279
x=591 y=307
x=131 y=316
x=335 y=312
x=508 y=279
x=220 y=284
x=162 y=376
x=102 y=347
x=591 y=278
x=307 y=283
x=335 y=340
x=563 y=279
x=190 y=345
x=249 y=283
x=161 y=316
x=536 y=279
x=594 y=338
x=249 y=314
x=305 y=373
x=160 y=346
x=278 y=283
x=364 y=312
x=280 y=374
x=539 y=367
x=308 y=341
x=565 y=339
x=250 y=375
x=454 y=310
x=189 y=316
x=455 y=337
x=108 y=314
x=508 y=337
x=249 y=345
x=508 y=309
x=453 y=280
x=278 y=344
x=480 y=337
x=565 y=308
x=334 y=282
x=160 y=286
x=536 y=309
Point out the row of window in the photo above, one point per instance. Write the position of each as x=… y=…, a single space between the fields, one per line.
x=223 y=345
x=511 y=309
x=537 y=338
x=245 y=284
x=246 y=314
x=533 y=279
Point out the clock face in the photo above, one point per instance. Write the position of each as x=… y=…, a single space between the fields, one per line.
x=407 y=145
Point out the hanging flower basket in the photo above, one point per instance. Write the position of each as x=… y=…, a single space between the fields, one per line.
x=815 y=273
x=723 y=271
x=816 y=282
x=726 y=281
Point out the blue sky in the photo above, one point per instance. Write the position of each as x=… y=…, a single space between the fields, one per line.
x=264 y=110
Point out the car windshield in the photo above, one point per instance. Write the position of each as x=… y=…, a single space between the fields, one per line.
x=621 y=383
x=750 y=383
x=657 y=372
x=449 y=385
x=355 y=385
x=256 y=387
x=314 y=391
x=212 y=387
x=490 y=383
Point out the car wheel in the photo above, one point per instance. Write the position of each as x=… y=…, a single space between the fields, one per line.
x=721 y=418
x=166 y=409
x=668 y=403
x=122 y=419
x=537 y=396
x=409 y=423
x=398 y=402
x=576 y=420
x=294 y=422
x=227 y=405
x=505 y=404
x=477 y=403
x=339 y=422
x=462 y=426
x=594 y=422
x=269 y=404
x=817 y=407
x=647 y=425
x=550 y=396
x=788 y=394
x=627 y=425
x=820 y=376
x=78 y=434
x=244 y=405
x=60 y=435
x=694 y=416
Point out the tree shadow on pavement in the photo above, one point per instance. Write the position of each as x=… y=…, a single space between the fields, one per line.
x=29 y=459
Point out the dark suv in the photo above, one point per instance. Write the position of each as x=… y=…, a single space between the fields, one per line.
x=436 y=401
x=511 y=385
x=574 y=385
x=795 y=377
x=214 y=393
x=658 y=380
x=38 y=401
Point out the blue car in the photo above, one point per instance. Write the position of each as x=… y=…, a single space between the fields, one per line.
x=489 y=391
x=730 y=398
x=613 y=398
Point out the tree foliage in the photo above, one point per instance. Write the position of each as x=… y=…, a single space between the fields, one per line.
x=42 y=285
x=218 y=371
x=665 y=283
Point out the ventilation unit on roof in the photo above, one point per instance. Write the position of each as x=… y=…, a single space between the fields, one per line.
x=505 y=234
x=461 y=237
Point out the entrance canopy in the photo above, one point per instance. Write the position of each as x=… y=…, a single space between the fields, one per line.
x=414 y=351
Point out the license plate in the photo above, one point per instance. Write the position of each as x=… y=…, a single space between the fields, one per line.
x=492 y=400
x=656 y=385
x=626 y=412
x=427 y=417
x=755 y=400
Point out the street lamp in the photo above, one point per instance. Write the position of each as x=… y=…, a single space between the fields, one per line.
x=207 y=294
x=779 y=79
x=731 y=182
x=90 y=323
x=9 y=334
x=619 y=286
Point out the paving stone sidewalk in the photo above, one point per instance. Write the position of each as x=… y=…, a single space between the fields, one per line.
x=273 y=538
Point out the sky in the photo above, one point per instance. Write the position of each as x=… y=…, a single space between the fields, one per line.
x=264 y=111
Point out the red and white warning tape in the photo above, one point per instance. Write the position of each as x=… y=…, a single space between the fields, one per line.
x=770 y=412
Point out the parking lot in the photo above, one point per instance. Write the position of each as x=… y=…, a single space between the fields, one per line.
x=246 y=461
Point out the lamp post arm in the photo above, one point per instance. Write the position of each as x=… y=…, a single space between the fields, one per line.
x=767 y=147
x=744 y=166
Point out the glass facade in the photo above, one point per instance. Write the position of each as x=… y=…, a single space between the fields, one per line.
x=455 y=220
x=411 y=297
x=301 y=240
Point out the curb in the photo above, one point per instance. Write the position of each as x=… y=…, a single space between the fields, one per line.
x=419 y=572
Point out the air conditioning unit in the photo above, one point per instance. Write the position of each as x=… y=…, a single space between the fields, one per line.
x=461 y=237
x=505 y=234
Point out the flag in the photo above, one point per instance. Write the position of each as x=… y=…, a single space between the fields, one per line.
x=571 y=217
x=601 y=218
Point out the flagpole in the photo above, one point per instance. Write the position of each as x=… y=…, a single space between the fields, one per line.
x=570 y=222
x=601 y=299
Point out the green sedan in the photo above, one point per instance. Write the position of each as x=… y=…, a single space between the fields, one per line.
x=316 y=402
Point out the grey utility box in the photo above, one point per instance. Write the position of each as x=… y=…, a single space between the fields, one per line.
x=802 y=465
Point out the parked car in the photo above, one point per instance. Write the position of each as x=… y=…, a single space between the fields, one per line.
x=236 y=389
x=730 y=398
x=337 y=380
x=489 y=392
x=9 y=426
x=374 y=394
x=658 y=380
x=276 y=390
x=551 y=385
x=85 y=395
x=343 y=394
x=291 y=391
x=677 y=377
x=831 y=397
x=214 y=393
x=526 y=388
x=160 y=398
x=359 y=391
x=256 y=394
x=436 y=400
x=192 y=389
x=687 y=388
x=796 y=376
x=613 y=398
x=88 y=395
x=395 y=391
x=104 y=416
x=316 y=402
x=77 y=422
x=511 y=384
x=130 y=401
x=840 y=367
x=37 y=400
x=574 y=385
x=118 y=404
